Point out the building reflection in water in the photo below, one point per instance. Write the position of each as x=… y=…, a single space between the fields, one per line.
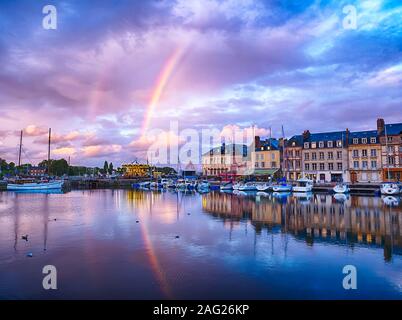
x=339 y=219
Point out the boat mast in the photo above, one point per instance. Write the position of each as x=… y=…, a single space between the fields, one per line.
x=20 y=151
x=48 y=152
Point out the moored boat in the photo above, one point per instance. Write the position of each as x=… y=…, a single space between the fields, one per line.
x=203 y=186
x=341 y=188
x=249 y=186
x=389 y=188
x=303 y=185
x=264 y=187
x=282 y=188
x=32 y=186
x=226 y=186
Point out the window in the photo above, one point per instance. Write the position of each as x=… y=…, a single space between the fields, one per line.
x=355 y=140
x=322 y=166
x=293 y=144
x=373 y=152
x=364 y=153
x=306 y=145
x=365 y=164
x=339 y=165
x=273 y=165
x=307 y=166
x=321 y=155
x=330 y=166
x=321 y=144
x=390 y=149
x=273 y=156
x=330 y=144
x=355 y=153
x=314 y=166
x=297 y=153
x=314 y=156
x=307 y=156
x=263 y=164
x=364 y=140
x=339 y=155
x=374 y=164
x=389 y=139
x=297 y=164
x=339 y=143
x=330 y=155
x=313 y=145
x=373 y=140
x=256 y=164
x=356 y=164
x=391 y=160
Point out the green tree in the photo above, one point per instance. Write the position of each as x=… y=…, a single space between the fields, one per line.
x=111 y=168
x=105 y=167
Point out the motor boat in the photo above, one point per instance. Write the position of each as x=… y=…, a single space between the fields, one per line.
x=281 y=188
x=341 y=188
x=171 y=184
x=390 y=188
x=264 y=187
x=249 y=186
x=165 y=183
x=190 y=184
x=181 y=185
x=203 y=186
x=33 y=186
x=145 y=185
x=226 y=186
x=303 y=196
x=237 y=185
x=303 y=185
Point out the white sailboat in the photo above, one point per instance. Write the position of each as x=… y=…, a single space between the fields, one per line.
x=249 y=186
x=264 y=187
x=35 y=186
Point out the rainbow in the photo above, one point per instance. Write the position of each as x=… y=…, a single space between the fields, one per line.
x=162 y=81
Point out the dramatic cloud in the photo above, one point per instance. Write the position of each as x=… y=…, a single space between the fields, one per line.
x=112 y=69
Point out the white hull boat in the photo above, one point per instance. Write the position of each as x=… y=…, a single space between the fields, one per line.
x=303 y=185
x=265 y=187
x=54 y=185
x=227 y=186
x=282 y=188
x=249 y=186
x=203 y=186
x=390 y=201
x=236 y=186
x=390 y=189
x=341 y=188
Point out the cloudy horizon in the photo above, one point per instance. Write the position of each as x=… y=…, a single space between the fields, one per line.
x=111 y=72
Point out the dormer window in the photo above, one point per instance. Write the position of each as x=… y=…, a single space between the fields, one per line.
x=364 y=140
x=339 y=143
x=355 y=140
x=321 y=144
x=293 y=144
x=330 y=144
x=306 y=145
x=373 y=140
x=262 y=148
x=313 y=145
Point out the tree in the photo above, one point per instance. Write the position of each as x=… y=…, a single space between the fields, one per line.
x=105 y=167
x=111 y=168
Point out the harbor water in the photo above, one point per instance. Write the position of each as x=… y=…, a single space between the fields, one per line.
x=133 y=244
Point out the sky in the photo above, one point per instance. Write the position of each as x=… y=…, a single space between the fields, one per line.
x=113 y=71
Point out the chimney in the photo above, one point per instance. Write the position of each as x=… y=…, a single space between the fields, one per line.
x=380 y=126
x=306 y=135
x=257 y=142
x=347 y=137
x=223 y=148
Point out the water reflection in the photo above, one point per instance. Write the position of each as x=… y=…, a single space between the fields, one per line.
x=339 y=219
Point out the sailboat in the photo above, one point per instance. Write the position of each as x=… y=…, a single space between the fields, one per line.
x=22 y=185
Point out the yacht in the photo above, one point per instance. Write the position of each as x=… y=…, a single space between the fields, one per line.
x=341 y=188
x=303 y=185
x=389 y=188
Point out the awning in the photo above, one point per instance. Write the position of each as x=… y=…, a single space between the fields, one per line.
x=265 y=172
